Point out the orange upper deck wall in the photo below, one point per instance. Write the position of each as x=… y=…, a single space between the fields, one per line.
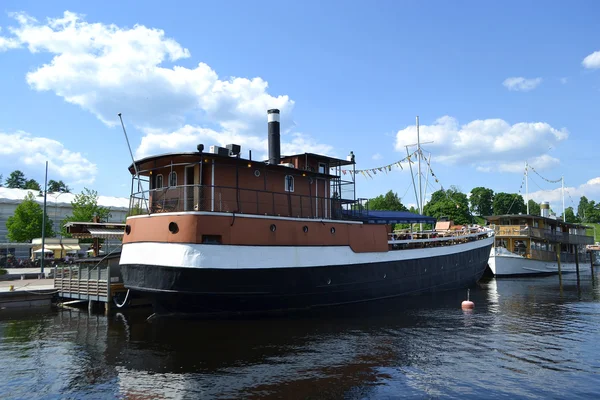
x=229 y=184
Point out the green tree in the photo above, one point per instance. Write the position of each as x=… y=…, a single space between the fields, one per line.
x=570 y=215
x=508 y=203
x=534 y=208
x=583 y=209
x=135 y=210
x=481 y=201
x=16 y=180
x=594 y=212
x=390 y=202
x=26 y=223
x=85 y=208
x=33 y=185
x=449 y=203
x=58 y=186
x=0 y=180
x=588 y=211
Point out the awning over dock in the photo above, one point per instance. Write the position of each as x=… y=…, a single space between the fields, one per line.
x=100 y=230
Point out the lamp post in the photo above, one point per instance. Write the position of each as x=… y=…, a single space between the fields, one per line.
x=44 y=222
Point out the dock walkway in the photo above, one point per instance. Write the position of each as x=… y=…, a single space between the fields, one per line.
x=27 y=293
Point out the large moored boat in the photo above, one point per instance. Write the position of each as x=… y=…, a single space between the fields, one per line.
x=216 y=232
x=532 y=244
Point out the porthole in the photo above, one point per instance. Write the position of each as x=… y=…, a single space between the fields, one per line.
x=305 y=228
x=173 y=228
x=332 y=230
x=273 y=228
x=127 y=229
x=256 y=173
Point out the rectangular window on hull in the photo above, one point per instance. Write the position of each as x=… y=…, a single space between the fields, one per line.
x=211 y=239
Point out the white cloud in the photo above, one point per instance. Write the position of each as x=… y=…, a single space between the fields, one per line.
x=21 y=148
x=107 y=69
x=377 y=156
x=520 y=84
x=564 y=80
x=592 y=61
x=487 y=145
x=188 y=137
x=8 y=43
x=542 y=162
x=590 y=189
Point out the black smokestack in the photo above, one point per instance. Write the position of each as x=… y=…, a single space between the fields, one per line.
x=274 y=142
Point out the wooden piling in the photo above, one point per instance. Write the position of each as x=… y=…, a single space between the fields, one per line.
x=577 y=266
x=592 y=265
x=558 y=259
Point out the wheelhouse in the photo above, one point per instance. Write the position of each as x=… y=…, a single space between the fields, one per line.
x=302 y=185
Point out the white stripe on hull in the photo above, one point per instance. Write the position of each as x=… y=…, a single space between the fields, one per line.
x=517 y=265
x=250 y=257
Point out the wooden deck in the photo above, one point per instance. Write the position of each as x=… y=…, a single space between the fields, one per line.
x=87 y=282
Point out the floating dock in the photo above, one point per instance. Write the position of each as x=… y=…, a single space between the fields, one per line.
x=31 y=293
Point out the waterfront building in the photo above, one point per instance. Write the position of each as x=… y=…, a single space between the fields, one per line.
x=58 y=207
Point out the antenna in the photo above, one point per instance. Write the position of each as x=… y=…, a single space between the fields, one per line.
x=137 y=174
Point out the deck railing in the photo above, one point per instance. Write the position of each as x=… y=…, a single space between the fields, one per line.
x=231 y=199
x=83 y=282
x=544 y=234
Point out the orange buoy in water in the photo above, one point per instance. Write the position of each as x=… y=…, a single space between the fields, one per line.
x=467 y=304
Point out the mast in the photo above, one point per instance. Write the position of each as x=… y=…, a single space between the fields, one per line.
x=562 y=181
x=413 y=178
x=427 y=177
x=419 y=169
x=527 y=186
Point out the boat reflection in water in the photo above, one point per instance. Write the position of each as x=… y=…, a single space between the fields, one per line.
x=525 y=338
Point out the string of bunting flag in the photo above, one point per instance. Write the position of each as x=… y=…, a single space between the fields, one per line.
x=547 y=180
x=569 y=194
x=386 y=168
x=519 y=192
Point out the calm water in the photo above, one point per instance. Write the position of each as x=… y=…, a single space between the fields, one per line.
x=525 y=339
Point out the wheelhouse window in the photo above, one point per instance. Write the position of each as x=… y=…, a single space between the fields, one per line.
x=159 y=181
x=289 y=183
x=173 y=178
x=322 y=168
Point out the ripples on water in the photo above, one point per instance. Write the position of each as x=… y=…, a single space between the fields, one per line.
x=525 y=339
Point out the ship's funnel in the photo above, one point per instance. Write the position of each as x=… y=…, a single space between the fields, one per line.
x=545 y=209
x=274 y=139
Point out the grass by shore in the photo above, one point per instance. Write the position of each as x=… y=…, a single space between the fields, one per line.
x=591 y=231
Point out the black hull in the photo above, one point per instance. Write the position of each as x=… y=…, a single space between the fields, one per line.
x=197 y=290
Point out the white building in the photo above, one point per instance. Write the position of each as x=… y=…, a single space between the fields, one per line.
x=58 y=207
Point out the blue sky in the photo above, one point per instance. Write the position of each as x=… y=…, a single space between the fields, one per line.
x=494 y=86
